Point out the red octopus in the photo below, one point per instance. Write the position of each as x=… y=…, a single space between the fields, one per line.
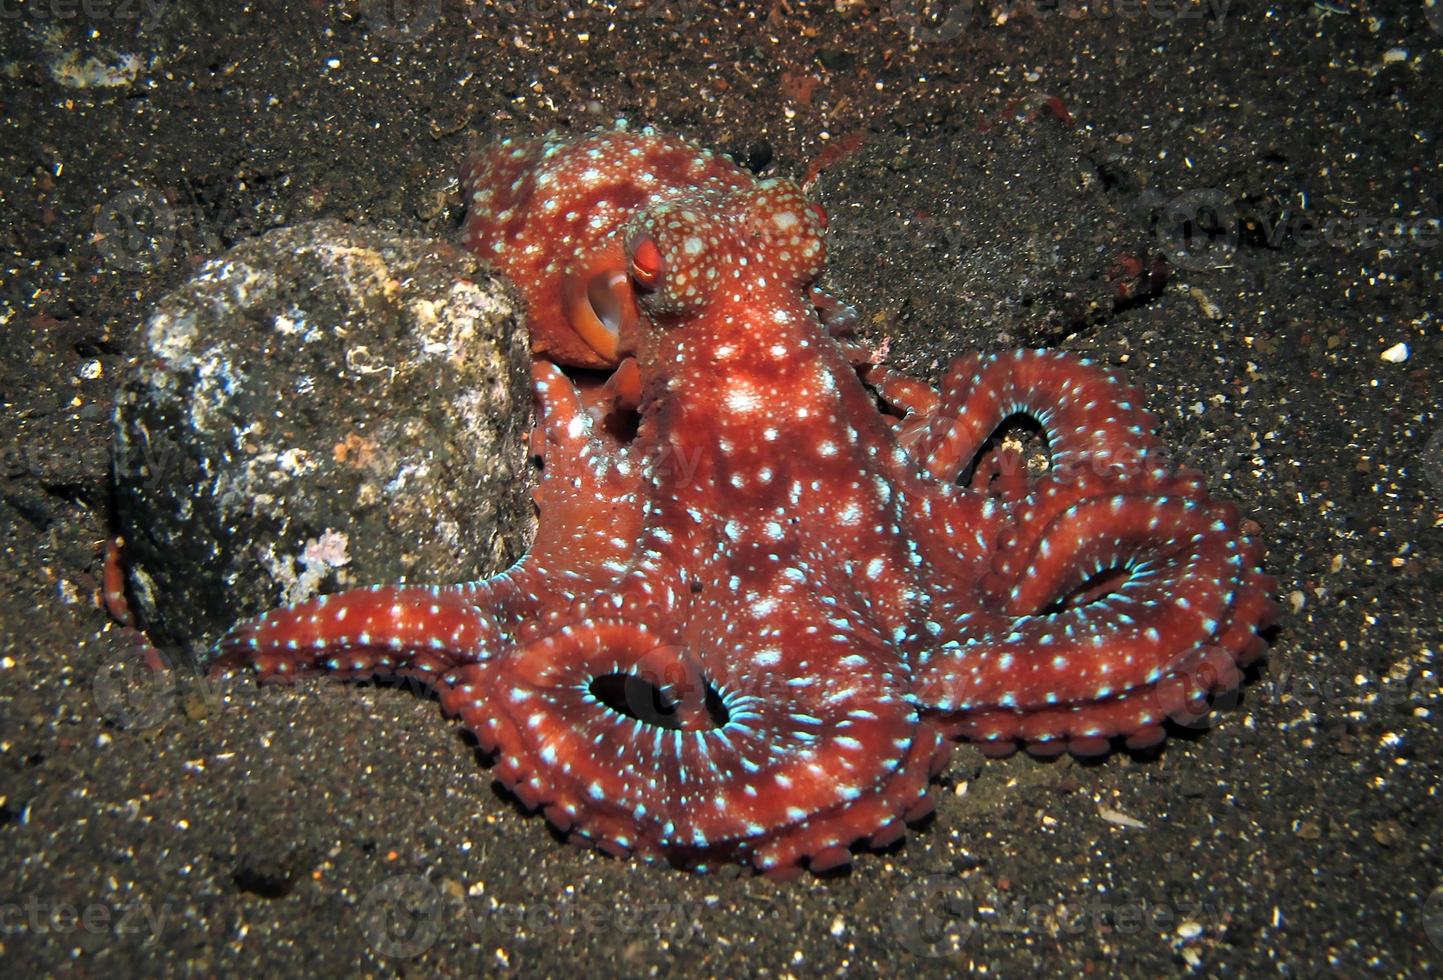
x=758 y=607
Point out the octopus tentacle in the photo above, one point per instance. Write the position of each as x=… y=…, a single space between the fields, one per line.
x=1091 y=418
x=838 y=317
x=626 y=744
x=1174 y=587
x=917 y=401
x=913 y=397
x=391 y=631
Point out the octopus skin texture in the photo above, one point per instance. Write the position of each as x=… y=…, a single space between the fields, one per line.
x=758 y=606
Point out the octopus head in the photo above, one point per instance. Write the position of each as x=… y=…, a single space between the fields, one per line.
x=683 y=253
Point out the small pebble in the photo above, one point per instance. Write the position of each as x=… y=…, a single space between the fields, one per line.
x=1119 y=818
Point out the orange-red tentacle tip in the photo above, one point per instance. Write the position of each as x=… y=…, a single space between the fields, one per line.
x=624 y=385
x=112 y=578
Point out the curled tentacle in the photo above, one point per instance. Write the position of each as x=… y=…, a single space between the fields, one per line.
x=1110 y=593
x=627 y=743
x=1092 y=419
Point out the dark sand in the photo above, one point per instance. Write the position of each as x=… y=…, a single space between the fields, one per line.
x=268 y=829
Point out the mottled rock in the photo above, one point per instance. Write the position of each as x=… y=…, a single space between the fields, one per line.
x=322 y=407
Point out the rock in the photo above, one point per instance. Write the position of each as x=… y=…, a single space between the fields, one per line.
x=322 y=407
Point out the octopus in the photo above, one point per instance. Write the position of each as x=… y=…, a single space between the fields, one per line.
x=773 y=580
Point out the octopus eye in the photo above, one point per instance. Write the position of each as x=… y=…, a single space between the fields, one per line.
x=646 y=262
